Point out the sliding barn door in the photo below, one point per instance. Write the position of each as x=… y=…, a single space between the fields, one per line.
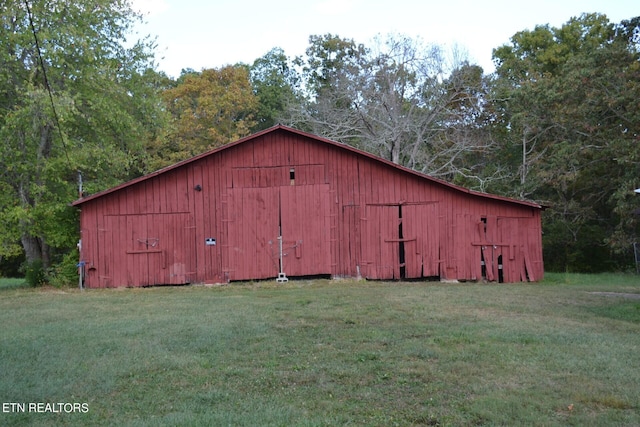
x=305 y=221
x=145 y=250
x=401 y=241
x=258 y=216
x=252 y=233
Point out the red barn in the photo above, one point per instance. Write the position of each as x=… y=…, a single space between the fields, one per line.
x=334 y=210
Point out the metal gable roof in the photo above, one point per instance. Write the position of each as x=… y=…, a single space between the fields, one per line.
x=316 y=138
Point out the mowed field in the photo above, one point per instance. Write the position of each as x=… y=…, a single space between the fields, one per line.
x=324 y=353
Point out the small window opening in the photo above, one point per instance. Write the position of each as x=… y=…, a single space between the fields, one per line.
x=292 y=176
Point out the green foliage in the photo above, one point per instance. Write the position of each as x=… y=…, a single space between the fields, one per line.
x=65 y=273
x=208 y=109
x=327 y=58
x=399 y=99
x=275 y=83
x=571 y=107
x=34 y=273
x=95 y=112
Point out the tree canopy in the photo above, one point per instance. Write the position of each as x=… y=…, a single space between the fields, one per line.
x=558 y=122
x=209 y=109
x=399 y=99
x=74 y=99
x=570 y=103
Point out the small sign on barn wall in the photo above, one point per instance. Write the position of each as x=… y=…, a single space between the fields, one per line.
x=210 y=241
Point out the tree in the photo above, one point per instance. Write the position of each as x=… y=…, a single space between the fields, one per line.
x=75 y=100
x=399 y=100
x=570 y=104
x=276 y=85
x=209 y=109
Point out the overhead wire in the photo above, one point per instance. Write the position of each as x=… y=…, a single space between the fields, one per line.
x=46 y=82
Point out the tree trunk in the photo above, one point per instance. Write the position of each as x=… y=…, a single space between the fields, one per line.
x=35 y=250
x=31 y=247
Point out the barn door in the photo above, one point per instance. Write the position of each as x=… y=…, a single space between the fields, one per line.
x=305 y=222
x=145 y=250
x=518 y=260
x=421 y=233
x=252 y=232
x=381 y=249
x=258 y=216
x=401 y=241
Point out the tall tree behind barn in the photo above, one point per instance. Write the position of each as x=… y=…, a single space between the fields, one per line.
x=339 y=212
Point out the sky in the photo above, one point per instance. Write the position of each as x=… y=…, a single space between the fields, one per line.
x=201 y=34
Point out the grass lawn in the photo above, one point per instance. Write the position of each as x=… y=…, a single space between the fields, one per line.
x=325 y=353
x=12 y=283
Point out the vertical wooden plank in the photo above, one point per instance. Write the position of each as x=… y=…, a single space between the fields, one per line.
x=215 y=201
x=105 y=247
x=535 y=244
x=133 y=270
x=200 y=226
x=122 y=233
x=371 y=248
x=491 y=238
x=351 y=252
x=208 y=223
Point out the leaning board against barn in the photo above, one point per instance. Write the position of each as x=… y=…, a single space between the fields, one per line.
x=334 y=210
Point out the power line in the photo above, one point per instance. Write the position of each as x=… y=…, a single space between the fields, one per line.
x=46 y=82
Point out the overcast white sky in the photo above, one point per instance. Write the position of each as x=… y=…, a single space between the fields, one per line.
x=201 y=34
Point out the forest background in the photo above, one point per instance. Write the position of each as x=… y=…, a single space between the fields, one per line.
x=558 y=122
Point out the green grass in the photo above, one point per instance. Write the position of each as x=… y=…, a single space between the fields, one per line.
x=8 y=283
x=327 y=353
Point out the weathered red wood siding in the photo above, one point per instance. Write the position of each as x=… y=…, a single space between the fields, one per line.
x=340 y=212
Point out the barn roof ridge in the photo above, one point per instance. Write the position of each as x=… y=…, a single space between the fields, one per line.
x=306 y=135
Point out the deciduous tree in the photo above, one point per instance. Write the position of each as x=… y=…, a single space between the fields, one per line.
x=209 y=109
x=276 y=83
x=570 y=103
x=73 y=98
x=400 y=100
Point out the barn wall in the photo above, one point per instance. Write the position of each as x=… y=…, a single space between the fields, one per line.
x=340 y=214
